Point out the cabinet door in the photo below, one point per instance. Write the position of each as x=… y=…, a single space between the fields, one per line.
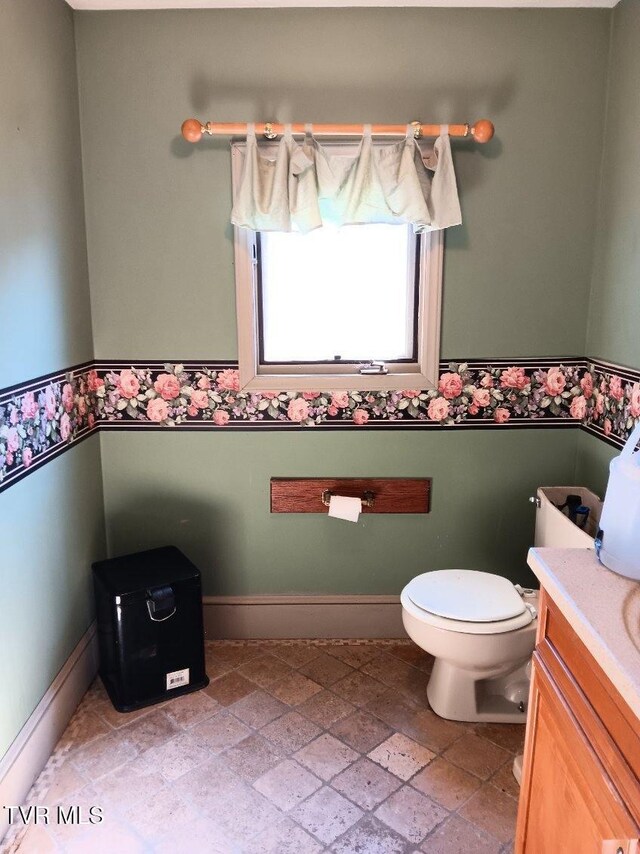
x=568 y=803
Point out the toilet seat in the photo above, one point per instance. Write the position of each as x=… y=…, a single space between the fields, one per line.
x=467 y=601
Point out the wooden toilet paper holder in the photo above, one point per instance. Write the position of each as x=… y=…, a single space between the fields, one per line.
x=378 y=494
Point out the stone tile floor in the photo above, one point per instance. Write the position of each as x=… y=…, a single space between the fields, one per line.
x=295 y=747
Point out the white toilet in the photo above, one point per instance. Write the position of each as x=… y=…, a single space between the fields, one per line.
x=481 y=628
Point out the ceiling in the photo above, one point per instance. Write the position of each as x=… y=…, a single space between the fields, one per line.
x=255 y=4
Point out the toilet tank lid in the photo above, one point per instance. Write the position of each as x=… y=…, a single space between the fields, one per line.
x=467 y=595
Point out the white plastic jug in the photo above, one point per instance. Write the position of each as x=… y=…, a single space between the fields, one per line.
x=618 y=543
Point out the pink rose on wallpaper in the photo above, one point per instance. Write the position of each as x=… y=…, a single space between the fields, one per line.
x=607 y=427
x=29 y=406
x=438 y=409
x=339 y=399
x=514 y=378
x=268 y=395
x=91 y=419
x=13 y=440
x=65 y=427
x=14 y=418
x=501 y=415
x=167 y=386
x=450 y=385
x=228 y=379
x=634 y=408
x=49 y=403
x=128 y=384
x=200 y=398
x=615 y=388
x=192 y=410
x=481 y=397
x=204 y=383
x=298 y=409
x=310 y=395
x=586 y=384
x=332 y=410
x=27 y=457
x=578 y=408
x=414 y=392
x=67 y=397
x=555 y=382
x=220 y=418
x=487 y=381
x=599 y=407
x=360 y=417
x=473 y=409
x=94 y=381
x=157 y=409
x=82 y=406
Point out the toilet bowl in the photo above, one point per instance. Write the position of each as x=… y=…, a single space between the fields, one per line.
x=481 y=630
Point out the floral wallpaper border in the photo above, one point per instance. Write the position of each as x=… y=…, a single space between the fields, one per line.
x=44 y=417
x=611 y=401
x=185 y=394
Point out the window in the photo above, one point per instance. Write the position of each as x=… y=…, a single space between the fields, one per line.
x=337 y=295
x=356 y=307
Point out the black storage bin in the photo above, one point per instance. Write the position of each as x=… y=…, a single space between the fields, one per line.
x=150 y=632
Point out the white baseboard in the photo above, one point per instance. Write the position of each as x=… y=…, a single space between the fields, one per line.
x=302 y=617
x=27 y=756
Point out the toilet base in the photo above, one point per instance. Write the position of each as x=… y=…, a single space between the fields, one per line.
x=466 y=695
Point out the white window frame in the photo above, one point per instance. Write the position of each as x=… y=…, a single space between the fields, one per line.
x=421 y=374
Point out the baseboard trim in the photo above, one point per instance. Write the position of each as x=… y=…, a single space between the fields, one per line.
x=32 y=747
x=270 y=617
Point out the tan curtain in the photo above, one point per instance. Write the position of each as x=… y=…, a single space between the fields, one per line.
x=306 y=185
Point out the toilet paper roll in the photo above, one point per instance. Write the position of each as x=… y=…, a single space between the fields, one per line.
x=341 y=507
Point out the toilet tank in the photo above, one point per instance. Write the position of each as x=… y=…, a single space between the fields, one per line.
x=554 y=529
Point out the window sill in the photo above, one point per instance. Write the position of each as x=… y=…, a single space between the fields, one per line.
x=331 y=382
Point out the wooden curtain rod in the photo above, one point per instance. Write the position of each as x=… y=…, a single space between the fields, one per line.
x=192 y=129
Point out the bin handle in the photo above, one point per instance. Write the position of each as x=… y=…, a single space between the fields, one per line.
x=159 y=619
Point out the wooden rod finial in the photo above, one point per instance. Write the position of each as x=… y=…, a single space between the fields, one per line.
x=192 y=130
x=482 y=131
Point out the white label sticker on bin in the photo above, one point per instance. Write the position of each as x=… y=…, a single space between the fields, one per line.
x=177 y=678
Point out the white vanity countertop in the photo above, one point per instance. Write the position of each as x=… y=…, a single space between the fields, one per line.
x=603 y=608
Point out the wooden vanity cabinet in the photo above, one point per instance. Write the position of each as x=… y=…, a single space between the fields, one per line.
x=580 y=791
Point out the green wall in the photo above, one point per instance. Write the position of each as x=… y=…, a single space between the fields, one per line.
x=160 y=248
x=210 y=496
x=51 y=528
x=44 y=297
x=592 y=462
x=160 y=257
x=614 y=313
x=52 y=522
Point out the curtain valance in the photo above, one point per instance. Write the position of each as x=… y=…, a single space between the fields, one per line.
x=307 y=185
